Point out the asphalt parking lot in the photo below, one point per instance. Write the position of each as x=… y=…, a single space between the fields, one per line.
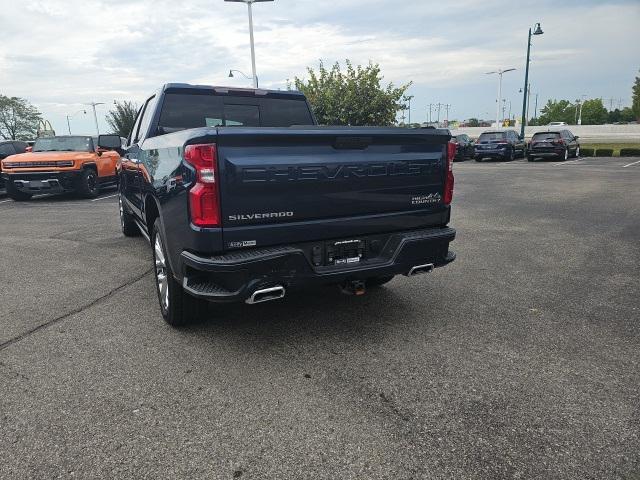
x=519 y=360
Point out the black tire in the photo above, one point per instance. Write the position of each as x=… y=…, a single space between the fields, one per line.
x=177 y=307
x=576 y=153
x=15 y=194
x=565 y=156
x=378 y=281
x=512 y=154
x=530 y=158
x=127 y=223
x=87 y=183
x=478 y=159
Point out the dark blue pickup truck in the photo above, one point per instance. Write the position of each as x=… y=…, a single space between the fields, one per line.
x=244 y=198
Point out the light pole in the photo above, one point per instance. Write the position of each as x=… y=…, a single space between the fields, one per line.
x=580 y=104
x=499 y=100
x=253 y=52
x=536 y=31
x=244 y=75
x=95 y=117
x=528 y=102
x=72 y=115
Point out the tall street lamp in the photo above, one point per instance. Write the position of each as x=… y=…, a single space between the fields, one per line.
x=499 y=101
x=536 y=31
x=580 y=103
x=72 y=115
x=231 y=75
x=95 y=117
x=253 y=52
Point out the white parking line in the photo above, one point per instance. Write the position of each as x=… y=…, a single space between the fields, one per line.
x=102 y=198
x=629 y=164
x=567 y=162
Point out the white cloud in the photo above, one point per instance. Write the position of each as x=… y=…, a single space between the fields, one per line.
x=61 y=53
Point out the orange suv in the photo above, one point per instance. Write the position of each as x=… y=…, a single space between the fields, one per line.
x=60 y=164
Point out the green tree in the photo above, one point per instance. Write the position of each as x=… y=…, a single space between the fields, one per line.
x=624 y=115
x=627 y=115
x=614 y=116
x=635 y=99
x=18 y=119
x=557 y=111
x=473 y=122
x=352 y=97
x=122 y=118
x=594 y=112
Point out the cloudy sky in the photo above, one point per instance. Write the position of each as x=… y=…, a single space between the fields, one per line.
x=61 y=53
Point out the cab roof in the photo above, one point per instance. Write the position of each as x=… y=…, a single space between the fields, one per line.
x=222 y=90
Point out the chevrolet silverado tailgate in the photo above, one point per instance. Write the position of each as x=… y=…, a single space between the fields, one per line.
x=281 y=185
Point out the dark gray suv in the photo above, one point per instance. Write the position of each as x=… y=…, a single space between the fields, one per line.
x=560 y=144
x=501 y=144
x=8 y=148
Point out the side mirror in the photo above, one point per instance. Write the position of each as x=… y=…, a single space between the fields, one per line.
x=109 y=142
x=575 y=137
x=28 y=149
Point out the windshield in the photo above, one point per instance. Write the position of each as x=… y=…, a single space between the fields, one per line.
x=63 y=144
x=541 y=137
x=492 y=137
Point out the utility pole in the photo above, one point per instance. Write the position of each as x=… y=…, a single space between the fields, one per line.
x=535 y=110
x=439 y=105
x=95 y=117
x=409 y=99
x=446 y=108
x=431 y=105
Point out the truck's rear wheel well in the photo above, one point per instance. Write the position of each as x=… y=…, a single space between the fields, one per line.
x=150 y=212
x=92 y=166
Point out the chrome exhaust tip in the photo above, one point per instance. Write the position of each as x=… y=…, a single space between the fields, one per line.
x=419 y=269
x=266 y=294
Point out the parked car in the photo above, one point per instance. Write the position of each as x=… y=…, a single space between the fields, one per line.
x=555 y=144
x=464 y=147
x=8 y=148
x=503 y=144
x=238 y=212
x=556 y=124
x=60 y=164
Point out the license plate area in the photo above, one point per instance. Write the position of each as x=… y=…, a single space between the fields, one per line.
x=345 y=252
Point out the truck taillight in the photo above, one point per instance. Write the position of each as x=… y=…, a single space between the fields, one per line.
x=448 y=183
x=204 y=203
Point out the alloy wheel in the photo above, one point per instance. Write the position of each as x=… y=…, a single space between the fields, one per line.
x=121 y=208
x=91 y=182
x=162 y=282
